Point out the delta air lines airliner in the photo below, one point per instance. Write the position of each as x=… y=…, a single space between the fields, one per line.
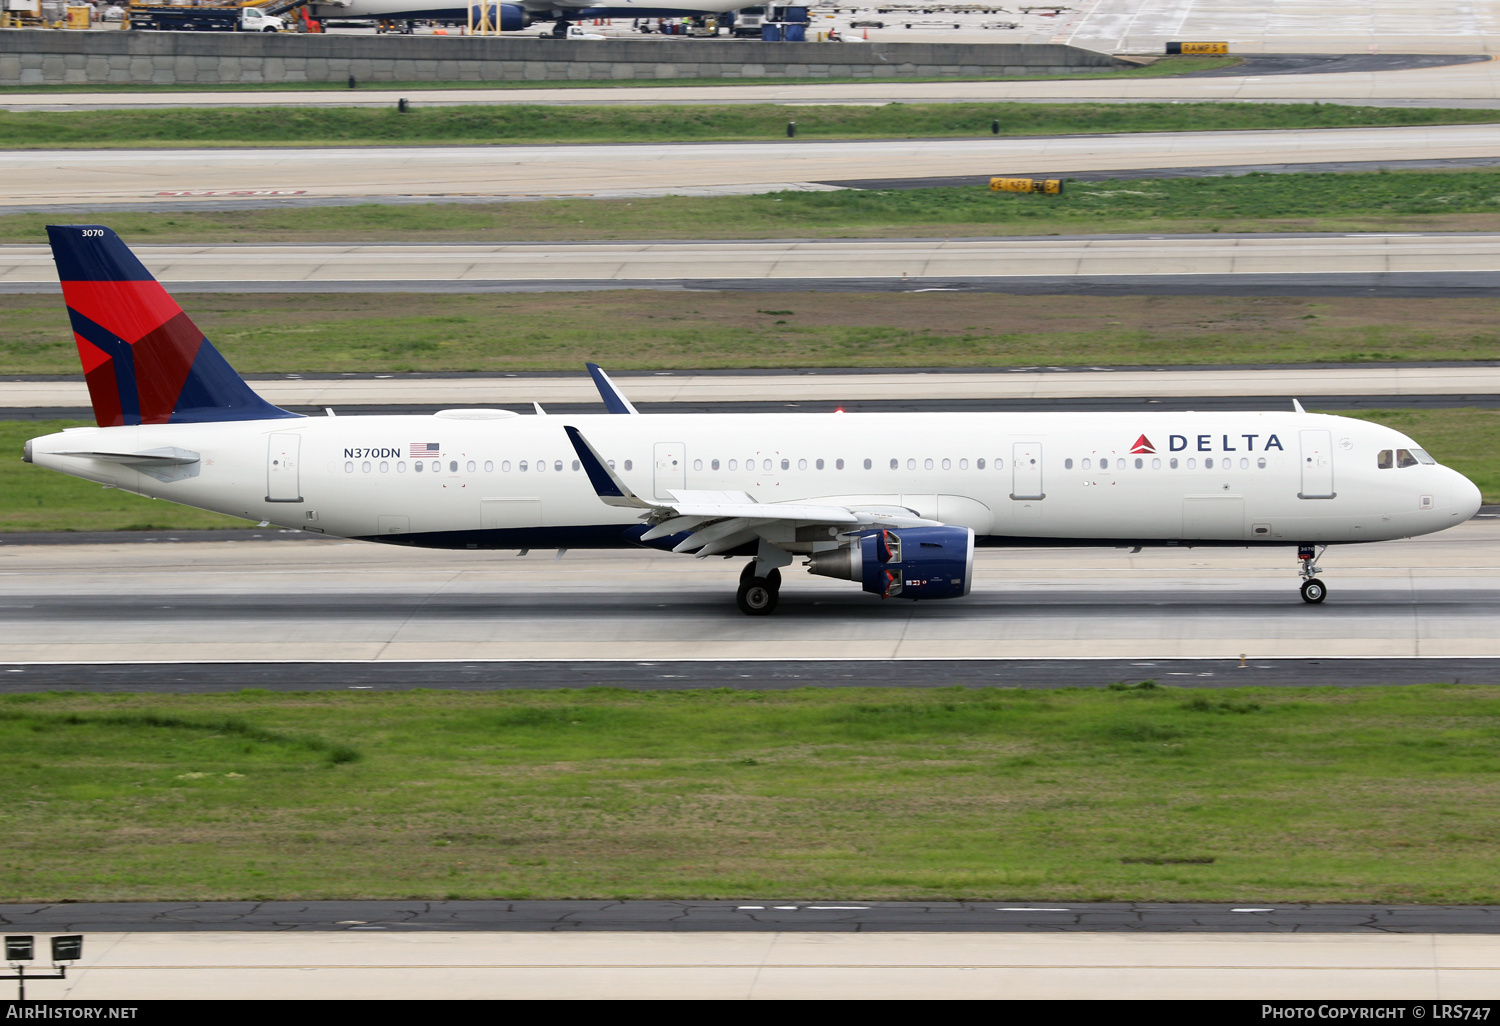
x=894 y=502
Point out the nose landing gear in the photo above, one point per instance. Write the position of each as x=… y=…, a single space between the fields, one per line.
x=758 y=595
x=1313 y=590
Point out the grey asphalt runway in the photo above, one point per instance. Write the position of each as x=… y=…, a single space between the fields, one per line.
x=756 y=914
x=751 y=675
x=1319 y=403
x=75 y=177
x=349 y=602
x=1395 y=263
x=795 y=263
x=1307 y=284
x=1377 y=384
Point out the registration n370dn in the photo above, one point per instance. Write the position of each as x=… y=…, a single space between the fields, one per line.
x=896 y=503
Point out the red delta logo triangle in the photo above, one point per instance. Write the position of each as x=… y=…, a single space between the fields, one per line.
x=1143 y=445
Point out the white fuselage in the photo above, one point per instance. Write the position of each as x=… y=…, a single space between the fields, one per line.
x=512 y=481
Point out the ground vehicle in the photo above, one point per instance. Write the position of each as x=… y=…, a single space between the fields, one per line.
x=230 y=18
x=573 y=32
x=747 y=22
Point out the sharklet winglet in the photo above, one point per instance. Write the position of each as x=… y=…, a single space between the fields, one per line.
x=607 y=485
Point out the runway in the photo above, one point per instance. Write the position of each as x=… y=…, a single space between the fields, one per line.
x=792 y=264
x=352 y=602
x=388 y=965
x=77 y=177
x=766 y=674
x=686 y=390
x=756 y=914
x=1475 y=84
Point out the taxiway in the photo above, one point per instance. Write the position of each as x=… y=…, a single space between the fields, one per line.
x=340 y=601
x=90 y=177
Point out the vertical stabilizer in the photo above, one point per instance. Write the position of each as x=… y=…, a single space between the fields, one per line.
x=144 y=360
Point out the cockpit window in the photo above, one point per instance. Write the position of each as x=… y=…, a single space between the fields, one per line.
x=1383 y=461
x=1404 y=458
x=1422 y=457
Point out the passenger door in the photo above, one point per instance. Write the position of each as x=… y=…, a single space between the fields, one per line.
x=1317 y=465
x=671 y=469
x=283 y=477
x=1026 y=471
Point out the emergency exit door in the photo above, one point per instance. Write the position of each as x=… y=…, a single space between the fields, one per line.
x=1317 y=465
x=671 y=469
x=1026 y=471
x=283 y=475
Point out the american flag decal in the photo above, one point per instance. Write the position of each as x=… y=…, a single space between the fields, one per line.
x=422 y=450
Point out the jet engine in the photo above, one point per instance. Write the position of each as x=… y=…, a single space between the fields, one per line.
x=911 y=563
x=507 y=17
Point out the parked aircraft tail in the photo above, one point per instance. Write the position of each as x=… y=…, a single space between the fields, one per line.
x=144 y=360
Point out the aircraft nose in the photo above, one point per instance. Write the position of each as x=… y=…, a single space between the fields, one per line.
x=1466 y=497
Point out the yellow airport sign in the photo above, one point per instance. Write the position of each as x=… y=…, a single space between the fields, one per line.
x=1048 y=186
x=1197 y=48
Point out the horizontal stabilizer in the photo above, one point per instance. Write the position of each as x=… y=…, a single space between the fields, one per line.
x=167 y=456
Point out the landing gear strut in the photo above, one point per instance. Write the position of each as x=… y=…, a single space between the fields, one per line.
x=1313 y=590
x=758 y=595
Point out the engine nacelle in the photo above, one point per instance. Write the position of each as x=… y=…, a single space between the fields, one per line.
x=910 y=563
x=507 y=17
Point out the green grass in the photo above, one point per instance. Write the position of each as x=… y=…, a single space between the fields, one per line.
x=324 y=126
x=36 y=499
x=649 y=330
x=1376 y=795
x=1354 y=202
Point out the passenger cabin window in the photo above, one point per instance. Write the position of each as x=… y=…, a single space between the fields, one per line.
x=1404 y=458
x=734 y=464
x=1383 y=460
x=838 y=464
x=867 y=464
x=979 y=463
x=895 y=464
x=1068 y=464
x=713 y=465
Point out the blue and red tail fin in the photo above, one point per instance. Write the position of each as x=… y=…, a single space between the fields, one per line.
x=144 y=360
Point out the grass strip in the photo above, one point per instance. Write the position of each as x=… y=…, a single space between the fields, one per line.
x=228 y=726
x=33 y=498
x=647 y=330
x=1381 y=795
x=1258 y=202
x=470 y=125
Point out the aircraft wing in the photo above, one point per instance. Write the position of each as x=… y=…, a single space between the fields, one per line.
x=717 y=521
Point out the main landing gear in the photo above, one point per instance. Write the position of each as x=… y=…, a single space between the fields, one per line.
x=1313 y=590
x=758 y=595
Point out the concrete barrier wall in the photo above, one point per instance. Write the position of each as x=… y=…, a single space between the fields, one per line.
x=38 y=57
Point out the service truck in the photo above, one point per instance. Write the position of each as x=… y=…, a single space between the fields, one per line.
x=182 y=18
